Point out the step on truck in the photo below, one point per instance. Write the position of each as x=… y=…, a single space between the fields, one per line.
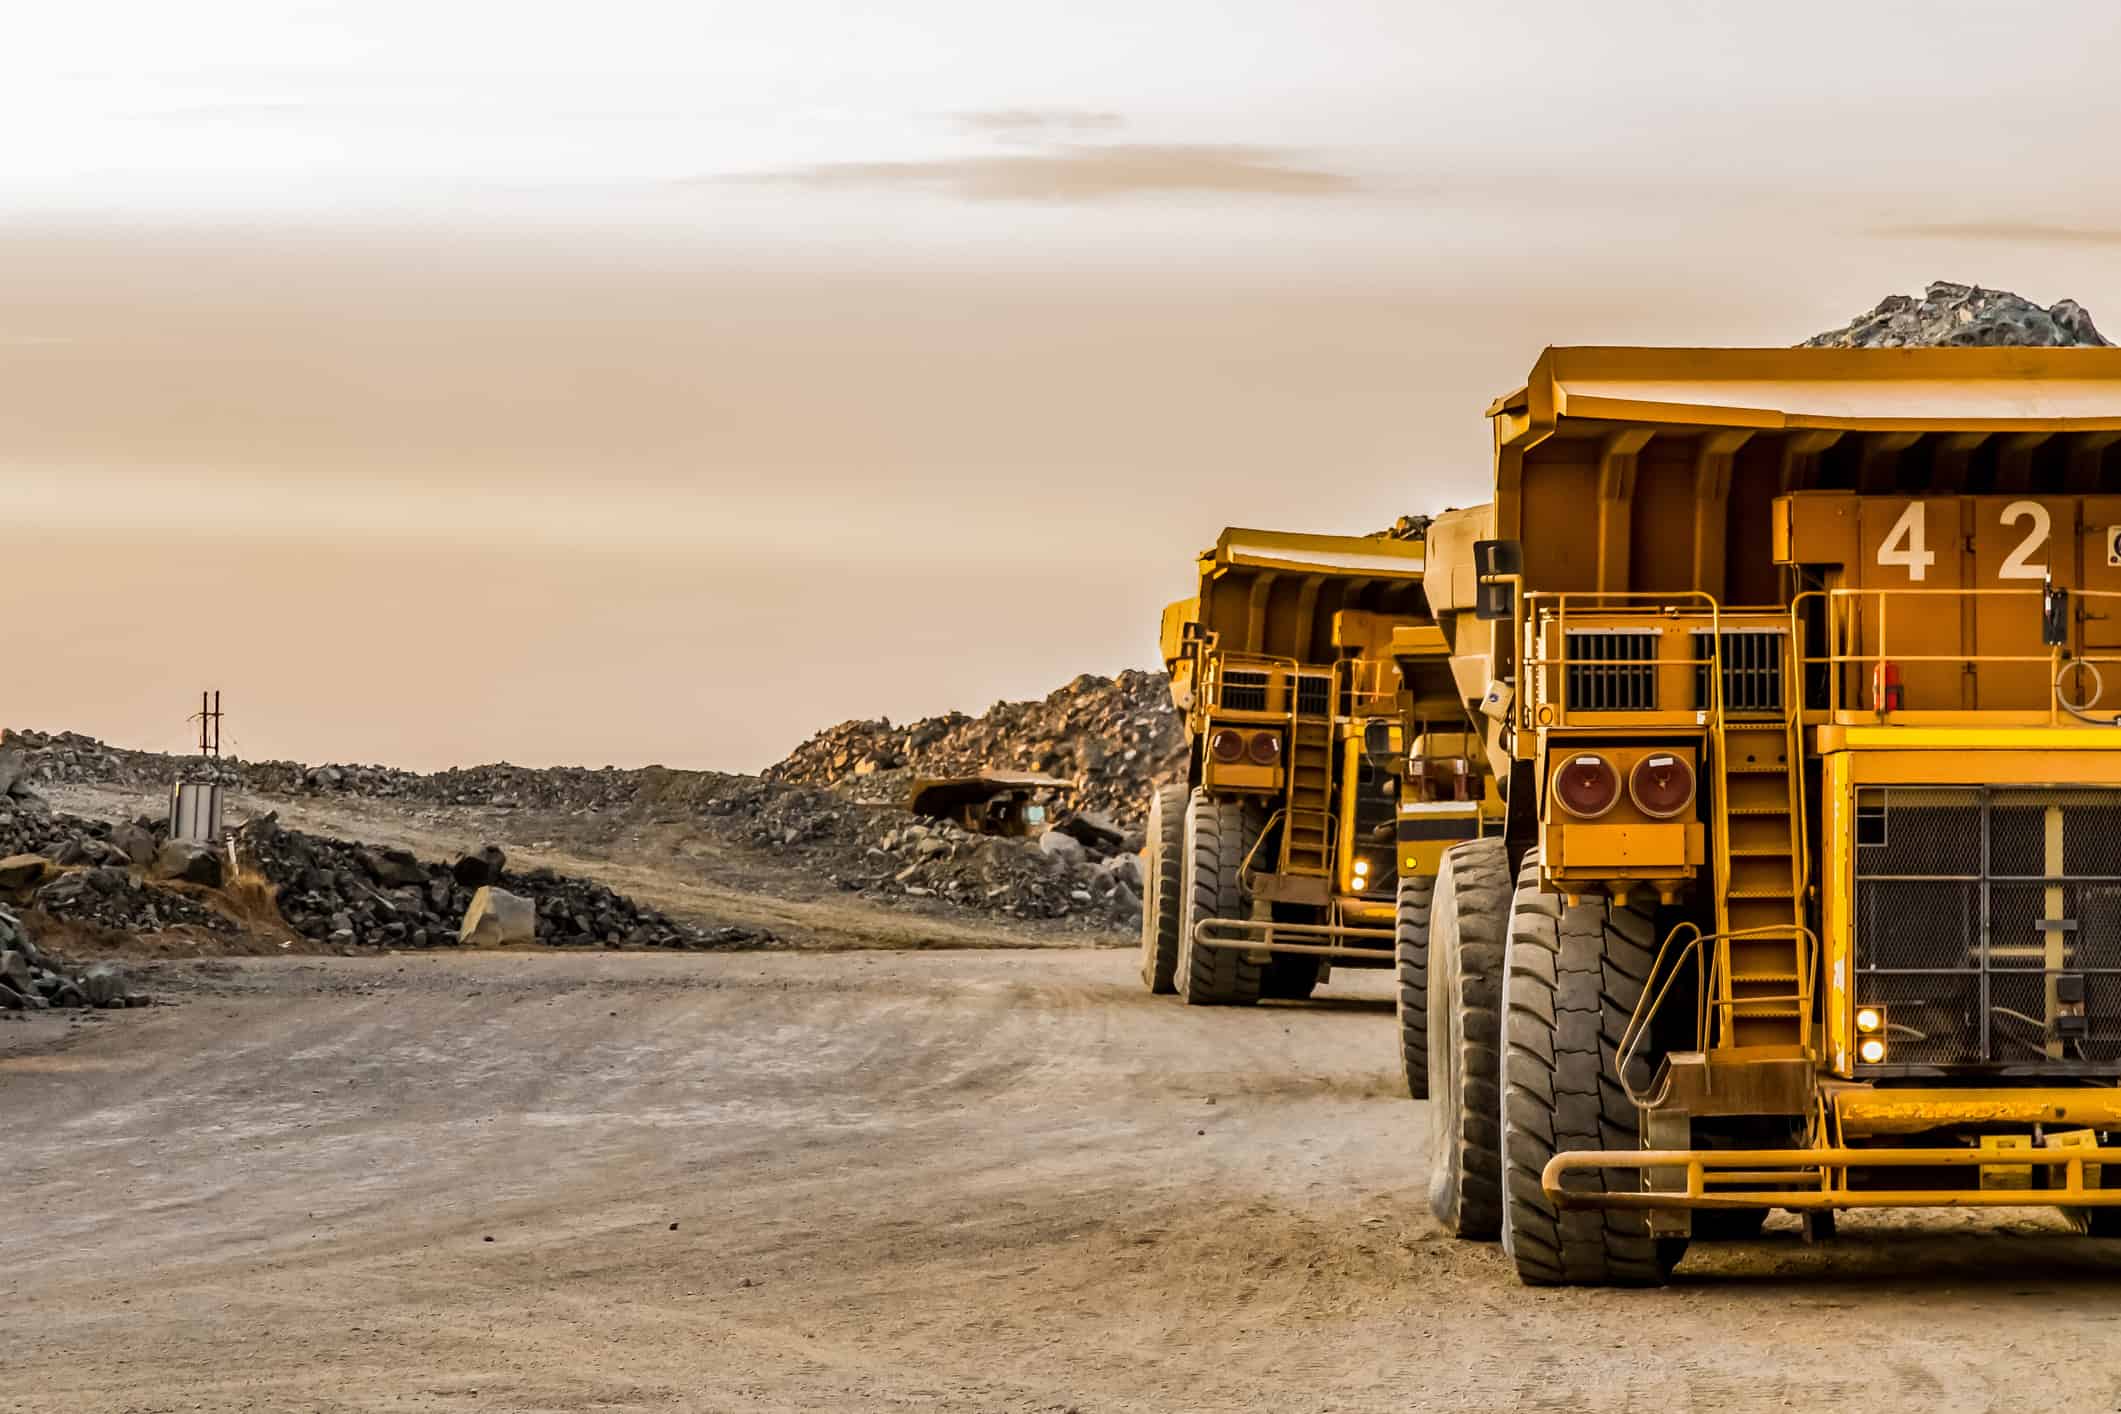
x=1803 y=670
x=1277 y=858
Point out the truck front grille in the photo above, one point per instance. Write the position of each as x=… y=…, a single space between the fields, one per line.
x=1981 y=914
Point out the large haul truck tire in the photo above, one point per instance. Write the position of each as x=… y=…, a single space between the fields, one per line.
x=1290 y=978
x=1572 y=977
x=1466 y=922
x=1219 y=833
x=1410 y=956
x=1163 y=874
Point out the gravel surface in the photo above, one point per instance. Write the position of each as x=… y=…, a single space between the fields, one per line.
x=967 y=1181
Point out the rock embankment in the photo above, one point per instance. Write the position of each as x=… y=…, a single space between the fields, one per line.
x=1114 y=738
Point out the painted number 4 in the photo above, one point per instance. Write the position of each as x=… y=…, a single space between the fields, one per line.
x=1905 y=544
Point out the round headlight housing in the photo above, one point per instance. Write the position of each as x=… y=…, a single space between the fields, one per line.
x=1661 y=785
x=1871 y=1049
x=1264 y=748
x=1586 y=785
x=1226 y=745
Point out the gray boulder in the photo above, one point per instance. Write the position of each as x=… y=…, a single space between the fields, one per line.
x=137 y=843
x=393 y=868
x=104 y=986
x=192 y=863
x=1061 y=846
x=498 y=918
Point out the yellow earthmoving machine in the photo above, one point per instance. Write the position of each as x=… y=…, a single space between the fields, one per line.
x=1277 y=858
x=1803 y=669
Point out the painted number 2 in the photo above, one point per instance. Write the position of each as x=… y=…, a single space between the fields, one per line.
x=1907 y=545
x=2018 y=565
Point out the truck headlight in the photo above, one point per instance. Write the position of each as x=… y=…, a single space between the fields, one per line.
x=1587 y=785
x=1869 y=1019
x=1871 y=1050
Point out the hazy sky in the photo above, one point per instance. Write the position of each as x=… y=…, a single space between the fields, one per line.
x=640 y=381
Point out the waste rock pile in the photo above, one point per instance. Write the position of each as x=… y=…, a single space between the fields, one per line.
x=881 y=852
x=350 y=894
x=1115 y=738
x=32 y=980
x=91 y=871
x=1950 y=315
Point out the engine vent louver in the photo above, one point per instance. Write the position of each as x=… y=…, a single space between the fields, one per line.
x=1752 y=669
x=1612 y=670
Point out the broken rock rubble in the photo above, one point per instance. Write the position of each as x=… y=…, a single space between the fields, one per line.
x=33 y=980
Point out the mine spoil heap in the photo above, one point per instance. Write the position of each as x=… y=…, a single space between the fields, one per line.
x=1967 y=316
x=1115 y=738
x=337 y=891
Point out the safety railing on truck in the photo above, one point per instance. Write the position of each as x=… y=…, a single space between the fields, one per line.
x=1591 y=654
x=1249 y=682
x=1862 y=667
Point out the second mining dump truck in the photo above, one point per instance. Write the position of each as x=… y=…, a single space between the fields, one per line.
x=1278 y=857
x=1803 y=668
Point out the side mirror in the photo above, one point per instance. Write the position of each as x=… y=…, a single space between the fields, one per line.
x=2054 y=615
x=1496 y=601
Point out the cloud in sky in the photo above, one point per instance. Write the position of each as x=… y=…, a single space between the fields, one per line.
x=2012 y=232
x=1039 y=122
x=1084 y=173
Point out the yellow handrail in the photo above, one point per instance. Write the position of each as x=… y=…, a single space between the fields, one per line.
x=1845 y=618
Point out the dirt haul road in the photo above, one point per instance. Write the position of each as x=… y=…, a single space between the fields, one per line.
x=957 y=1181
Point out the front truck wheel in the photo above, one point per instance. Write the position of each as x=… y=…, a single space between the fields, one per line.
x=1162 y=876
x=1466 y=925
x=1572 y=977
x=1219 y=833
x=1410 y=956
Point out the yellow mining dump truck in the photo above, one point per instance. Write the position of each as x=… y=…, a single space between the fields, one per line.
x=1446 y=794
x=1803 y=668
x=1277 y=858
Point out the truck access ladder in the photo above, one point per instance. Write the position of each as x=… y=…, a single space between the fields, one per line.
x=1758 y=830
x=1307 y=833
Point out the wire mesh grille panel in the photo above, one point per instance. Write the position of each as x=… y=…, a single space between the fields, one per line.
x=1612 y=670
x=1244 y=690
x=1988 y=924
x=1752 y=669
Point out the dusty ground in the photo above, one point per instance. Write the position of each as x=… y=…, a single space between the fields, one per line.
x=955 y=1180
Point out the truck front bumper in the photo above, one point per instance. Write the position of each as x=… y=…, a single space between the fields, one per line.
x=1812 y=1179
x=1265 y=938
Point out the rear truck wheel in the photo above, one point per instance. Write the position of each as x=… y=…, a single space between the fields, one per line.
x=1466 y=924
x=1290 y=978
x=1410 y=956
x=1571 y=979
x=1162 y=875
x=1219 y=833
